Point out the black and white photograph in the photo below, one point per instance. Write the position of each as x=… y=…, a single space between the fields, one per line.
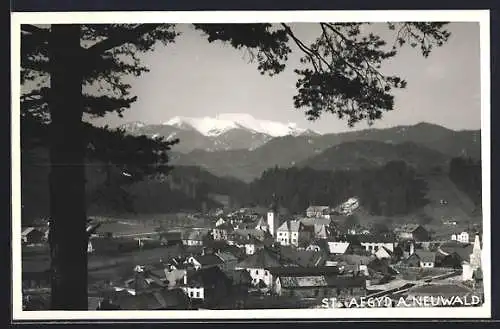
x=243 y=165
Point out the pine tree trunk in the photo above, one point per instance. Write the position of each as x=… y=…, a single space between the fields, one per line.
x=68 y=238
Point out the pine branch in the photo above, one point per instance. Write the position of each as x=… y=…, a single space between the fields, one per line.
x=118 y=38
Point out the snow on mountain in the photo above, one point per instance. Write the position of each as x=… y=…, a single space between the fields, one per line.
x=222 y=123
x=206 y=125
x=132 y=126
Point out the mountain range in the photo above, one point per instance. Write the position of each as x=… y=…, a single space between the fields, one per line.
x=229 y=131
x=423 y=144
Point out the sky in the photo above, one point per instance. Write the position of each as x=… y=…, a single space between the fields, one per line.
x=194 y=78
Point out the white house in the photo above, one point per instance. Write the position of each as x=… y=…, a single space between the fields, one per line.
x=337 y=247
x=204 y=261
x=427 y=259
x=373 y=247
x=193 y=238
x=383 y=253
x=289 y=233
x=219 y=222
x=258 y=265
x=318 y=212
x=462 y=237
x=222 y=231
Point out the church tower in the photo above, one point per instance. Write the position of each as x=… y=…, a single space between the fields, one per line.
x=273 y=217
x=475 y=257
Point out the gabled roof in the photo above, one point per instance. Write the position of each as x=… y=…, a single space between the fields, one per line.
x=337 y=247
x=196 y=235
x=225 y=226
x=290 y=226
x=409 y=228
x=238 y=276
x=206 y=276
x=226 y=256
x=322 y=281
x=315 y=221
x=298 y=271
x=317 y=208
x=426 y=256
x=353 y=259
x=27 y=230
x=208 y=259
x=388 y=251
x=381 y=266
x=261 y=223
x=263 y=258
x=304 y=258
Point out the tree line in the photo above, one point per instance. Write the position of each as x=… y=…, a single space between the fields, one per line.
x=389 y=190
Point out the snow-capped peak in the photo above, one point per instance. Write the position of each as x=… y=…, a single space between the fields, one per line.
x=132 y=126
x=222 y=123
x=206 y=125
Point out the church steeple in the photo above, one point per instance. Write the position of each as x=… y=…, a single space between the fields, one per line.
x=273 y=216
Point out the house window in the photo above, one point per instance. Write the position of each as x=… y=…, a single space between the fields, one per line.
x=198 y=294
x=256 y=272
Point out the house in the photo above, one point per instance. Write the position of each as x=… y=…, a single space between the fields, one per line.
x=208 y=286
x=250 y=239
x=261 y=225
x=259 y=263
x=349 y=206
x=384 y=253
x=193 y=237
x=222 y=231
x=464 y=237
x=318 y=211
x=372 y=242
x=302 y=258
x=350 y=262
x=338 y=247
x=421 y=258
x=414 y=232
x=204 y=261
x=32 y=235
x=171 y=238
x=220 y=221
x=317 y=282
x=175 y=277
x=292 y=233
x=142 y=280
x=321 y=228
x=229 y=260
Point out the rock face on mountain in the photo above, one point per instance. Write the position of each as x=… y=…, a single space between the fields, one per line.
x=233 y=131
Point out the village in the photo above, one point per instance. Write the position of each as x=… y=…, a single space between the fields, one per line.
x=245 y=260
